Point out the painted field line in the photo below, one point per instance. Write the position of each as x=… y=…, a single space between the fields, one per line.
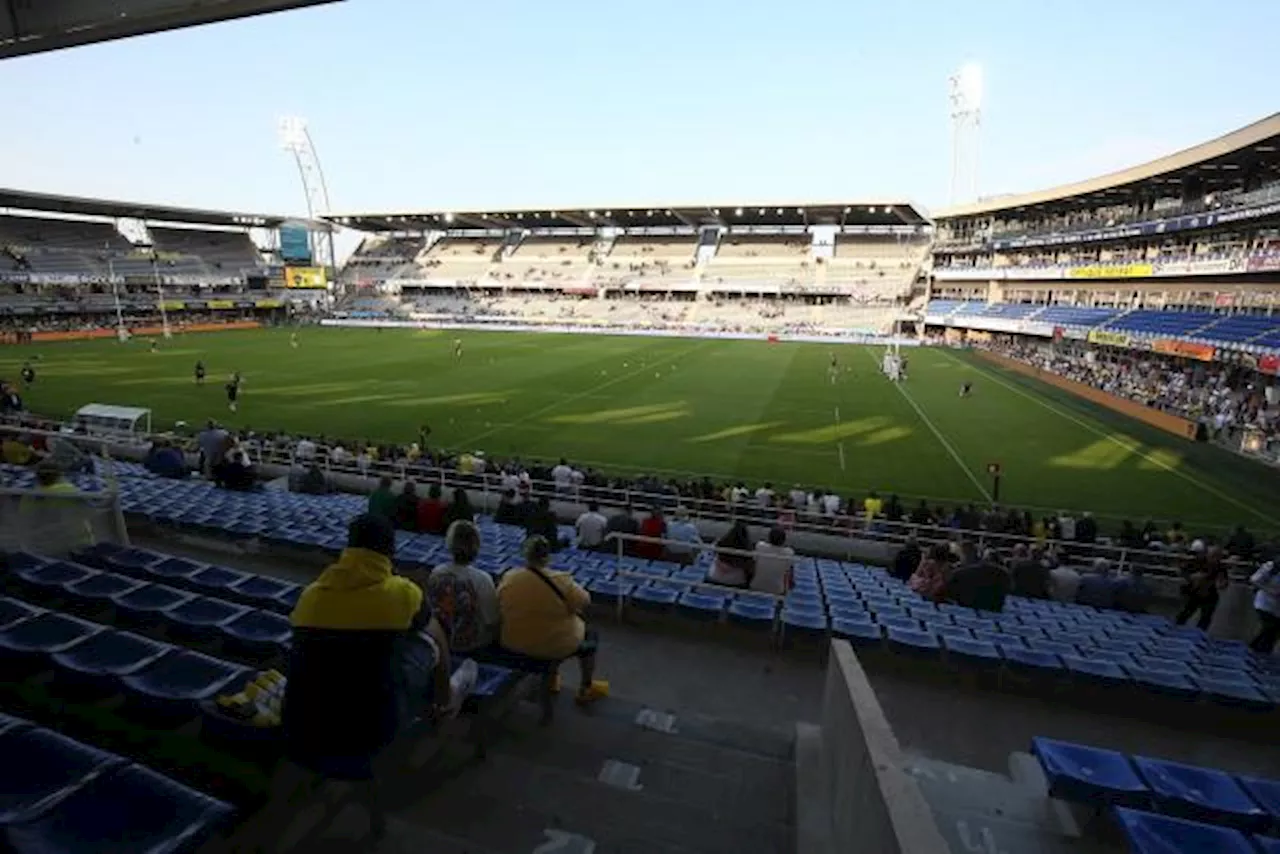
x=1132 y=448
x=595 y=389
x=941 y=438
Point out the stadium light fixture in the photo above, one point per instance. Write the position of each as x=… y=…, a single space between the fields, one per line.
x=448 y=217
x=738 y=212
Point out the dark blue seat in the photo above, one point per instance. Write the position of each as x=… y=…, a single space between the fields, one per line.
x=913 y=642
x=858 y=632
x=262 y=592
x=653 y=598
x=257 y=632
x=132 y=810
x=99 y=589
x=44 y=634
x=491 y=679
x=202 y=617
x=129 y=561
x=142 y=605
x=173 y=570
x=1029 y=660
x=8 y=722
x=23 y=560
x=215 y=579
x=753 y=611
x=1096 y=670
x=982 y=653
x=1265 y=793
x=1235 y=692
x=1200 y=794
x=1267 y=844
x=804 y=621
x=41 y=767
x=704 y=606
x=1148 y=833
x=103 y=659
x=1170 y=684
x=175 y=685
x=1089 y=775
x=13 y=611
x=48 y=579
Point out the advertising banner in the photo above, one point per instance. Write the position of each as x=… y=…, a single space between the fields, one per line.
x=1173 y=347
x=305 y=277
x=1111 y=339
x=1261 y=263
x=1113 y=271
x=221 y=303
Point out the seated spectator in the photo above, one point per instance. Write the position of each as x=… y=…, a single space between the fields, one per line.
x=164 y=460
x=49 y=522
x=1030 y=576
x=463 y=598
x=590 y=528
x=541 y=617
x=733 y=570
x=621 y=522
x=68 y=457
x=1133 y=593
x=1064 y=582
x=685 y=534
x=431 y=511
x=1266 y=604
x=978 y=582
x=653 y=526
x=773 y=564
x=460 y=509
x=509 y=511
x=1097 y=587
x=906 y=560
x=313 y=481
x=405 y=512
x=17 y=450
x=362 y=646
x=931 y=576
x=235 y=472
x=541 y=522
x=382 y=501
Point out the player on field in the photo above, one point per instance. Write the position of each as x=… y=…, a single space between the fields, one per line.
x=966 y=388
x=200 y=372
x=457 y=349
x=293 y=340
x=902 y=368
x=233 y=390
x=155 y=346
x=28 y=374
x=834 y=369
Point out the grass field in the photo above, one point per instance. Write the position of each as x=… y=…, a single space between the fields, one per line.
x=680 y=407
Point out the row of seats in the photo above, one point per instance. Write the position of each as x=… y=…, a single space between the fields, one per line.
x=1193 y=797
x=58 y=795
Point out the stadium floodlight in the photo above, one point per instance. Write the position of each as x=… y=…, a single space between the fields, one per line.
x=295 y=138
x=737 y=212
x=965 y=97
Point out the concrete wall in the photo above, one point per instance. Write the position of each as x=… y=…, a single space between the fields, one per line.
x=873 y=803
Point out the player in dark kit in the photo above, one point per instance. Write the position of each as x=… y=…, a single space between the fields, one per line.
x=965 y=388
x=233 y=390
x=28 y=374
x=200 y=373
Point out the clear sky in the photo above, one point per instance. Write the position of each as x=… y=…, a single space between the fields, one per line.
x=419 y=104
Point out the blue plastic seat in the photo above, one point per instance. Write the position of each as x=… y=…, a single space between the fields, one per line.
x=262 y=592
x=41 y=767
x=804 y=622
x=1030 y=660
x=610 y=591
x=215 y=579
x=173 y=570
x=175 y=685
x=49 y=579
x=257 y=632
x=142 y=605
x=754 y=611
x=1089 y=775
x=1235 y=692
x=858 y=632
x=14 y=611
x=44 y=634
x=913 y=642
x=1265 y=793
x=1200 y=794
x=106 y=657
x=654 y=598
x=202 y=617
x=1096 y=670
x=1267 y=844
x=133 y=810
x=1149 y=833
x=99 y=589
x=704 y=606
x=1160 y=682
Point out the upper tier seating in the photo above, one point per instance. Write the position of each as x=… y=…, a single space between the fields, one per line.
x=225 y=252
x=1161 y=323
x=1067 y=315
x=458 y=258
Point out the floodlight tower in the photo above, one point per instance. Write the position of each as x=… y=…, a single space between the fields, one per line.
x=295 y=138
x=965 y=96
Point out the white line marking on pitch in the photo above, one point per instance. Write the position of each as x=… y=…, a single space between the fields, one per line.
x=938 y=433
x=1132 y=448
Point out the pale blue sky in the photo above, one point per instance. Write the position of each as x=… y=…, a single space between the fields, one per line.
x=420 y=104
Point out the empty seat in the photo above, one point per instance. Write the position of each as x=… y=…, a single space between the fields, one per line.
x=1148 y=833
x=1265 y=793
x=99 y=589
x=108 y=656
x=261 y=591
x=1200 y=794
x=1090 y=775
x=44 y=634
x=142 y=605
x=258 y=632
x=43 y=579
x=202 y=617
x=175 y=685
x=12 y=611
x=130 y=811
x=216 y=579
x=41 y=767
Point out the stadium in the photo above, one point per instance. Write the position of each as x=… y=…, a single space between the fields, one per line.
x=895 y=529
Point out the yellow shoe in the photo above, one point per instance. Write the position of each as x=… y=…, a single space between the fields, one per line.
x=597 y=690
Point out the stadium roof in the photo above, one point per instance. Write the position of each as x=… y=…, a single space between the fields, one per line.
x=25 y=200
x=1218 y=164
x=733 y=213
x=34 y=27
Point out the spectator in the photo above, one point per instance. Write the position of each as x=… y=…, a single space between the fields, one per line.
x=1030 y=575
x=921 y=514
x=906 y=560
x=405 y=512
x=460 y=509
x=621 y=522
x=382 y=501
x=541 y=617
x=305 y=450
x=50 y=521
x=541 y=522
x=509 y=512
x=1205 y=577
x=590 y=528
x=978 y=582
x=685 y=534
x=1133 y=594
x=1266 y=603
x=1130 y=537
x=212 y=442
x=1064 y=582
x=1097 y=587
x=562 y=474
x=164 y=460
x=773 y=562
x=463 y=598
x=66 y=456
x=349 y=688
x=431 y=511
x=872 y=506
x=733 y=570
x=930 y=577
x=234 y=471
x=1087 y=529
x=893 y=509
x=17 y=450
x=1241 y=543
x=313 y=481
x=653 y=526
x=764 y=495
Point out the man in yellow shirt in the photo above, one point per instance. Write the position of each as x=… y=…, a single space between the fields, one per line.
x=873 y=505
x=541 y=617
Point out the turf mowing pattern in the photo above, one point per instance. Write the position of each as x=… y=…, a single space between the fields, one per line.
x=681 y=408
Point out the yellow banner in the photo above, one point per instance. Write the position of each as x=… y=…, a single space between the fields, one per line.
x=304 y=277
x=1111 y=339
x=269 y=303
x=1113 y=271
x=221 y=303
x=173 y=305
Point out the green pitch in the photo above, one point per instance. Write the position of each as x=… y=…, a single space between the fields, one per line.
x=679 y=408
